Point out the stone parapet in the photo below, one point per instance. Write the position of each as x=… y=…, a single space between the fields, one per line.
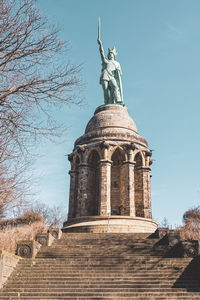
x=27 y=249
x=55 y=232
x=8 y=262
x=45 y=239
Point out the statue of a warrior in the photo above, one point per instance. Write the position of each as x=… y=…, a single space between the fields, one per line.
x=110 y=78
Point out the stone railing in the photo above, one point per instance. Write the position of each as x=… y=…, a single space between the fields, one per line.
x=29 y=249
x=25 y=249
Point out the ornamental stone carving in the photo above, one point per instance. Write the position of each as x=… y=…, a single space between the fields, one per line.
x=27 y=249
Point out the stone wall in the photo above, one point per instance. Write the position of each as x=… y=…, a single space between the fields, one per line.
x=115 y=180
x=8 y=262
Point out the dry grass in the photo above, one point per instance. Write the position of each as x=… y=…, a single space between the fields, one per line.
x=190 y=231
x=10 y=237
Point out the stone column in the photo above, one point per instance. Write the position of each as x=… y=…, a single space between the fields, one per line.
x=147 y=192
x=82 y=195
x=127 y=188
x=104 y=186
x=72 y=194
x=143 y=193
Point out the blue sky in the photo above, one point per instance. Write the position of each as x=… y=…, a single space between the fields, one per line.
x=158 y=44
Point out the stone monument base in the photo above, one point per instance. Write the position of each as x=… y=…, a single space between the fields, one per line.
x=120 y=224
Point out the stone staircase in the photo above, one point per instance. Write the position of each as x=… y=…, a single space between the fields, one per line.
x=104 y=266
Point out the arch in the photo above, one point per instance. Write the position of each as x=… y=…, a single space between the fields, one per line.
x=77 y=161
x=90 y=152
x=93 y=158
x=92 y=203
x=139 y=155
x=117 y=148
x=117 y=199
x=138 y=185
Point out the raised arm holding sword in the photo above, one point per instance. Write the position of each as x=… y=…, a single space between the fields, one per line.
x=110 y=78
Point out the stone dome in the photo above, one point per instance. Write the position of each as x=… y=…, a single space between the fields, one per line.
x=111 y=122
x=111 y=116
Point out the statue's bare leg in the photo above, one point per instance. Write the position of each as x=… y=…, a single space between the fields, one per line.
x=105 y=90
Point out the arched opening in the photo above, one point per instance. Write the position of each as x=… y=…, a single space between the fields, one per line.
x=92 y=203
x=138 y=186
x=117 y=200
x=77 y=162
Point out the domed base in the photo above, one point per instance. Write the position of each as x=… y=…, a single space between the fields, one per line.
x=120 y=224
x=111 y=122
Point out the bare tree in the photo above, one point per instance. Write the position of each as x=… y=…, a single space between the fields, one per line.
x=165 y=223
x=14 y=188
x=32 y=76
x=53 y=216
x=33 y=80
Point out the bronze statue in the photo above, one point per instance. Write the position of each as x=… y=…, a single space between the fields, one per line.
x=110 y=78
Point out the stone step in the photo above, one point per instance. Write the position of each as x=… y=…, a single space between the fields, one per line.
x=65 y=290
x=85 y=277
x=103 y=271
x=102 y=266
x=100 y=293
x=85 y=257
x=115 y=297
x=81 y=259
x=119 y=265
x=105 y=280
x=68 y=254
x=119 y=272
x=95 y=285
x=150 y=297
x=108 y=242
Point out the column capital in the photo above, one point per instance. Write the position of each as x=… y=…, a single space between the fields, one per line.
x=144 y=168
x=83 y=164
x=72 y=172
x=105 y=161
x=128 y=162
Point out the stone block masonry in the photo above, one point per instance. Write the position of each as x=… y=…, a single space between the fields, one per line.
x=110 y=169
x=8 y=262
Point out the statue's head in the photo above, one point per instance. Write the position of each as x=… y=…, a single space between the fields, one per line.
x=112 y=53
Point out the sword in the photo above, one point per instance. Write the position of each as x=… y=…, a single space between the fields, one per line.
x=99 y=25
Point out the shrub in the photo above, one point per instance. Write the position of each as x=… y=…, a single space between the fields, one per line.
x=10 y=236
x=28 y=218
x=191 y=230
x=192 y=215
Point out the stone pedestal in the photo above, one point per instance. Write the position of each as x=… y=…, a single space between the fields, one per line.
x=110 y=175
x=112 y=224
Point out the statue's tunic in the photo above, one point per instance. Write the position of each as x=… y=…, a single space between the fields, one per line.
x=108 y=69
